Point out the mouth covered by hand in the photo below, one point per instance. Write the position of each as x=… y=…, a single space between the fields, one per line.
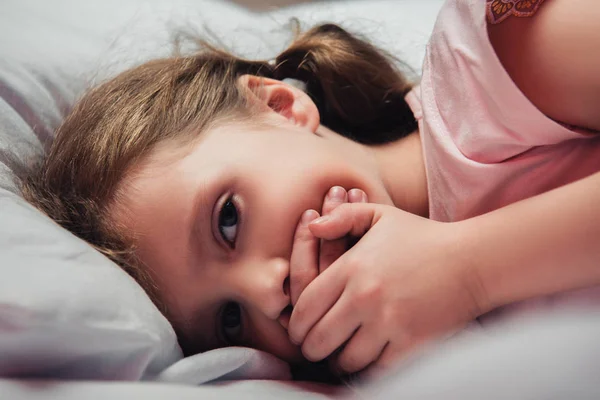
x=405 y=282
x=311 y=256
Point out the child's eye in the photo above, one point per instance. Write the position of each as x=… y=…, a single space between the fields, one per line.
x=228 y=221
x=231 y=323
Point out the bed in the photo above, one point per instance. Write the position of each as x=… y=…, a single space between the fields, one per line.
x=73 y=325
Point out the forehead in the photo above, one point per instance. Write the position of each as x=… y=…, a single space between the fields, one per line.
x=227 y=140
x=163 y=157
x=190 y=142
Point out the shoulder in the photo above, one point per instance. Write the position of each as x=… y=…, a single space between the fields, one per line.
x=552 y=54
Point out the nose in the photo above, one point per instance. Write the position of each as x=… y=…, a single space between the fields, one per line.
x=264 y=285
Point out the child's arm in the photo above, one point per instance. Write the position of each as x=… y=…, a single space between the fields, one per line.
x=554 y=59
x=410 y=278
x=545 y=244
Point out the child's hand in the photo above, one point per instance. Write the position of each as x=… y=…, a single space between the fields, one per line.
x=401 y=283
x=310 y=255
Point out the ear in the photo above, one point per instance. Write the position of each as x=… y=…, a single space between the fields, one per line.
x=283 y=99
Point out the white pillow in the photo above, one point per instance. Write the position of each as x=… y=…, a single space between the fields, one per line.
x=65 y=310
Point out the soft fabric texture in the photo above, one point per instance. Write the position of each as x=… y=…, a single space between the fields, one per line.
x=485 y=144
x=552 y=357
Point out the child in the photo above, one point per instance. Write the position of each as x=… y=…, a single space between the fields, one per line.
x=204 y=176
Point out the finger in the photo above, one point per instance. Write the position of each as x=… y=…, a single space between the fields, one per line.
x=319 y=296
x=346 y=219
x=357 y=196
x=337 y=195
x=389 y=357
x=330 y=250
x=316 y=299
x=333 y=330
x=303 y=260
x=364 y=348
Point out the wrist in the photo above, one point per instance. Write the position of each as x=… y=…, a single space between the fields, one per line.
x=480 y=291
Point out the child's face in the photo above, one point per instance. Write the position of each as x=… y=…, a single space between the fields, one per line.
x=216 y=224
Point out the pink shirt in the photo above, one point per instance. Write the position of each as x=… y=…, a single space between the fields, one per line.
x=485 y=144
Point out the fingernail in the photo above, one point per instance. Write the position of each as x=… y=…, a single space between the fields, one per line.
x=336 y=193
x=355 y=195
x=363 y=197
x=308 y=216
x=320 y=220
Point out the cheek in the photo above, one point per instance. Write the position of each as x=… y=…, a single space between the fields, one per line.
x=278 y=197
x=277 y=193
x=301 y=169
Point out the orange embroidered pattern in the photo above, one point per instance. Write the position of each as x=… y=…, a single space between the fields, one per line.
x=499 y=10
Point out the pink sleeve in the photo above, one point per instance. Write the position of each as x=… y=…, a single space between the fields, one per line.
x=468 y=95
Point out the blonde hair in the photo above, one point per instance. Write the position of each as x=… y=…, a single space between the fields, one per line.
x=356 y=87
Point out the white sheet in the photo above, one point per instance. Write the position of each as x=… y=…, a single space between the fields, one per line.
x=553 y=356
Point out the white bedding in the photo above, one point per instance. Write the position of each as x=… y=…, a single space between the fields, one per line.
x=550 y=357
x=67 y=313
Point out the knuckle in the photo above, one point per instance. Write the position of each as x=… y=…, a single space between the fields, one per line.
x=295 y=334
x=303 y=235
x=369 y=292
x=296 y=330
x=330 y=204
x=389 y=316
x=299 y=312
x=314 y=345
x=340 y=212
x=300 y=278
x=348 y=363
x=301 y=273
x=353 y=264
x=390 y=359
